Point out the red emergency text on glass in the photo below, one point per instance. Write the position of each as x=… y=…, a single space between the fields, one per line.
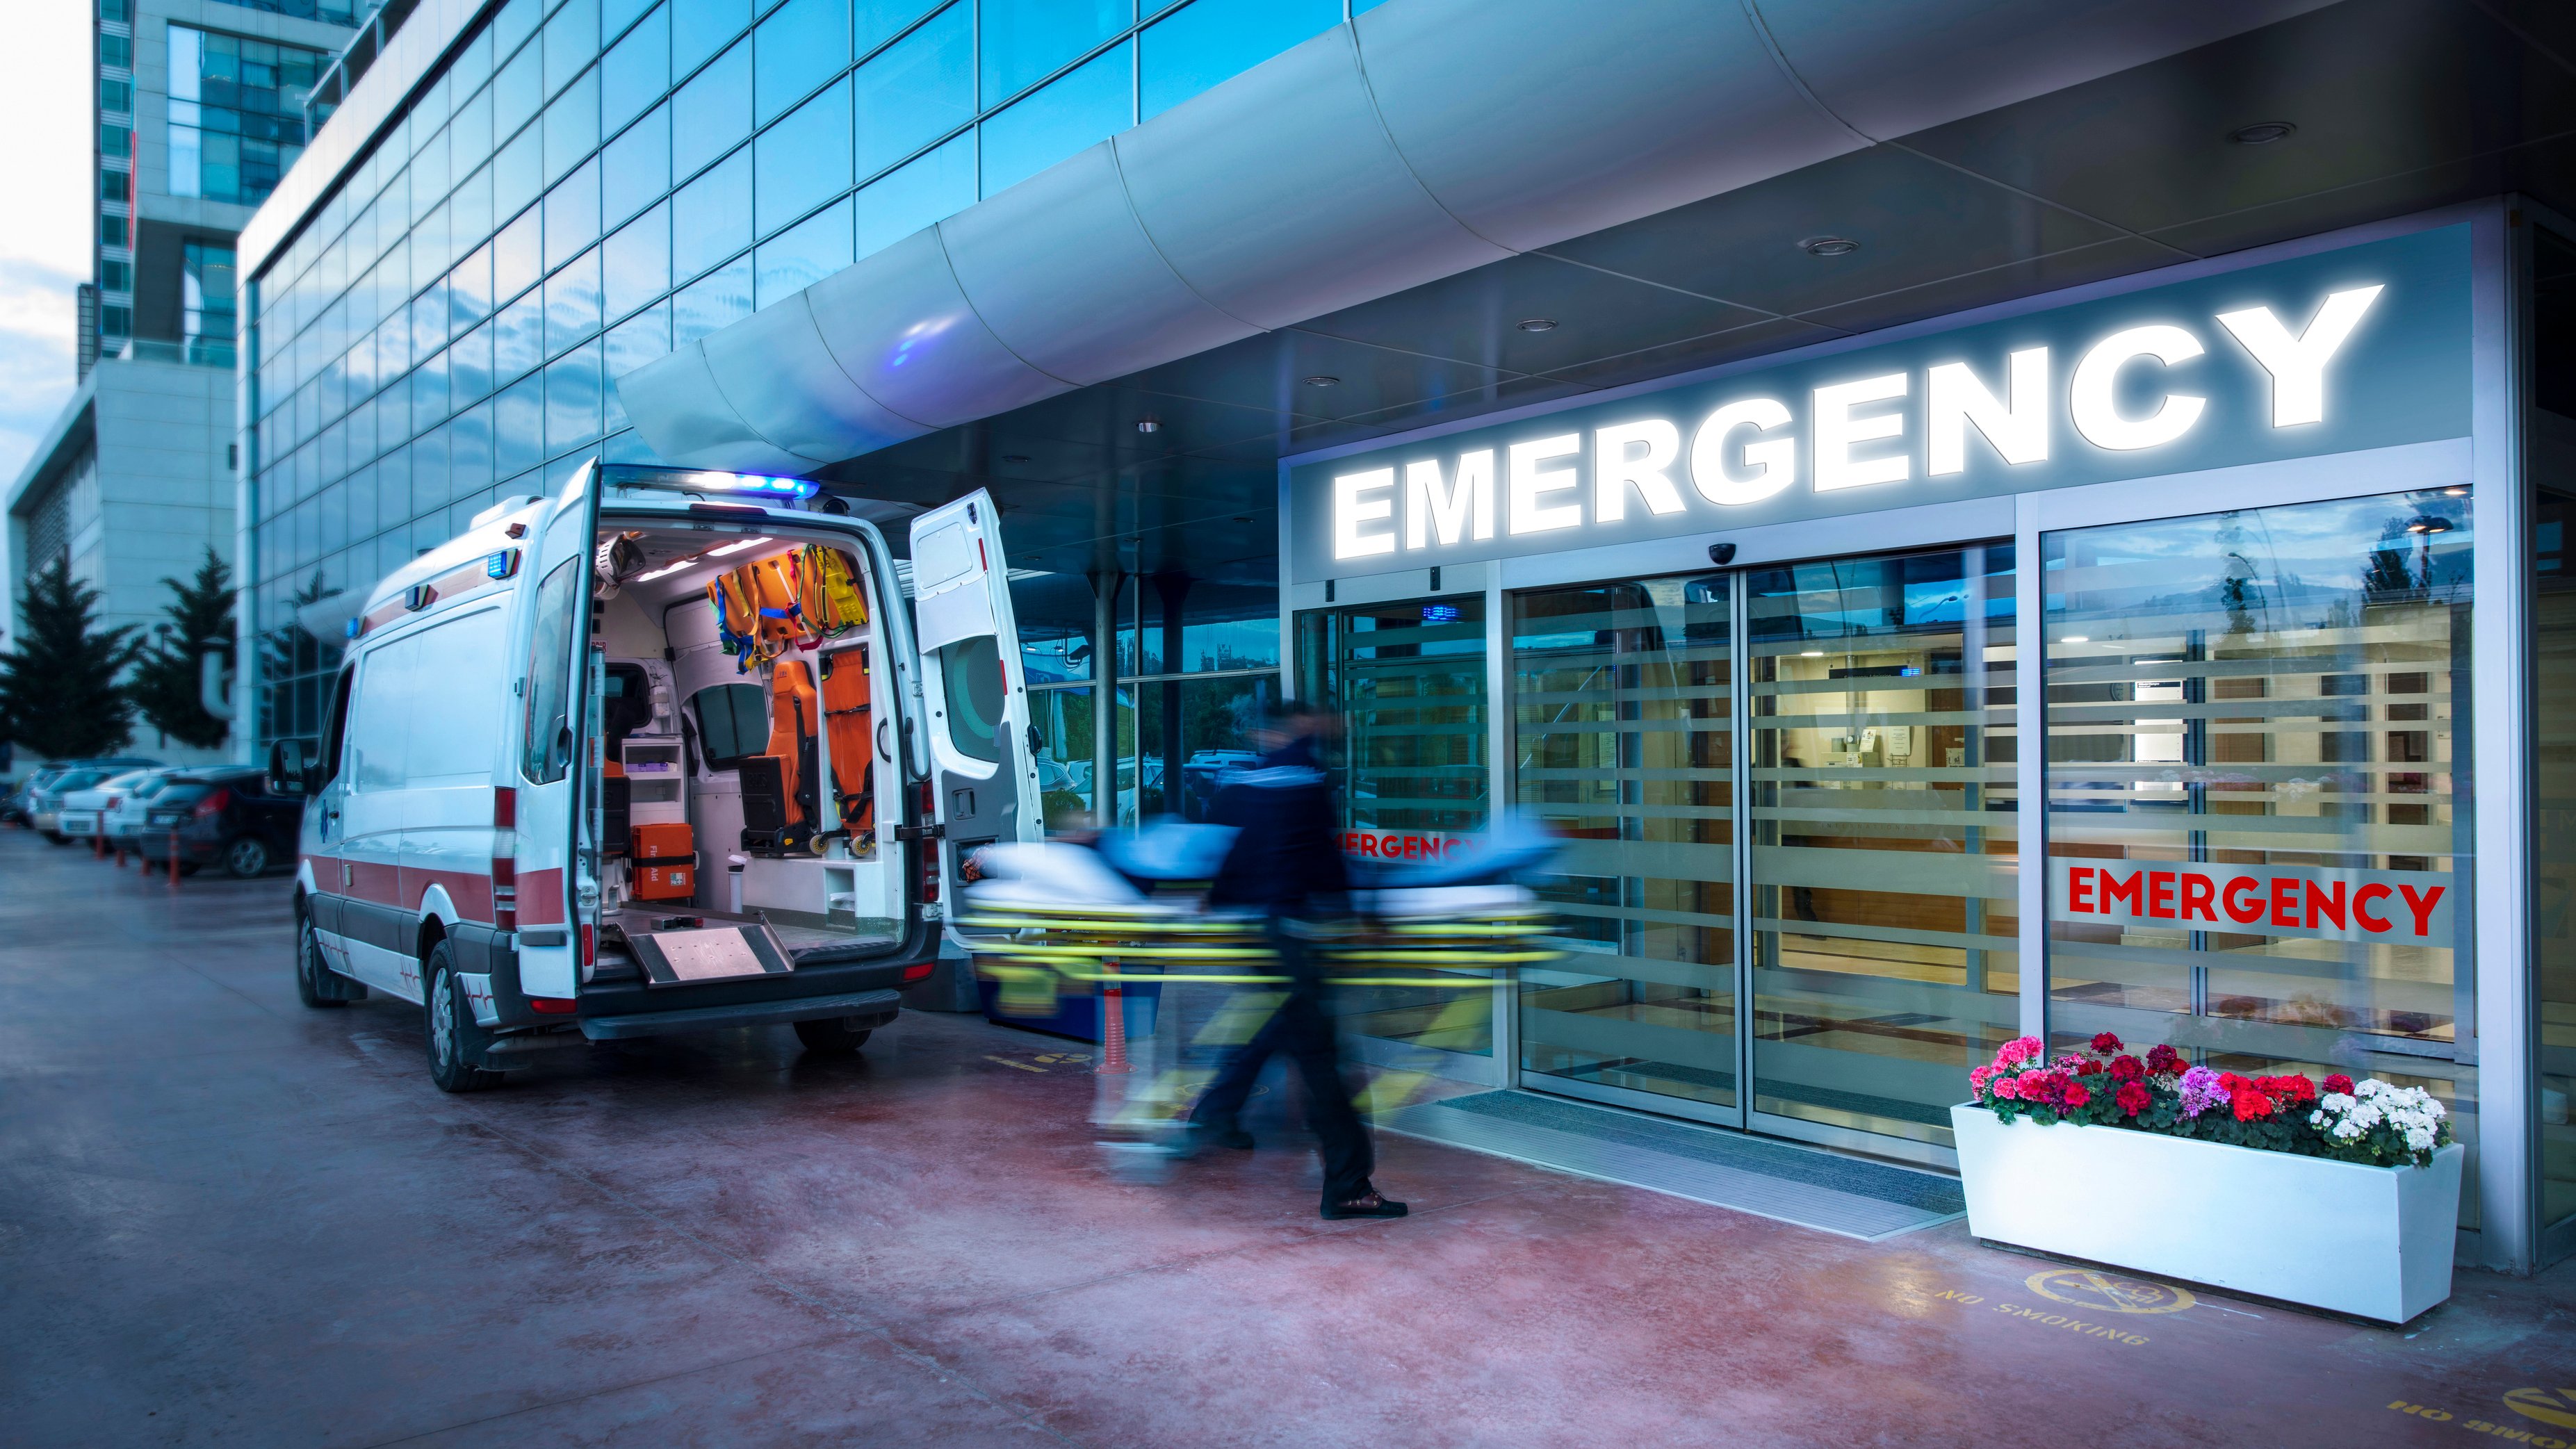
x=2335 y=905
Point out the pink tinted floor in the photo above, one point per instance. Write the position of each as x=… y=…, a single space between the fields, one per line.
x=225 y=1219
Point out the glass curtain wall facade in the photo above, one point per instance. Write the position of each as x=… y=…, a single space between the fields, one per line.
x=236 y=113
x=585 y=185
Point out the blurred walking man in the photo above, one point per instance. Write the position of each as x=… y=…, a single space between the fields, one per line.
x=1287 y=862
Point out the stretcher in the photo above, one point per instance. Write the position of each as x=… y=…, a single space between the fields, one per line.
x=1057 y=921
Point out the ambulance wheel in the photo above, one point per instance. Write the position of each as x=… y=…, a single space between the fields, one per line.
x=454 y=1040
x=832 y=1036
x=312 y=978
x=246 y=858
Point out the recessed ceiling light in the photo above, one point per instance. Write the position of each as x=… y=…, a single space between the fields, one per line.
x=1015 y=457
x=2455 y=493
x=1811 y=654
x=2262 y=133
x=2076 y=639
x=1148 y=425
x=1323 y=379
x=1536 y=324
x=736 y=547
x=1829 y=246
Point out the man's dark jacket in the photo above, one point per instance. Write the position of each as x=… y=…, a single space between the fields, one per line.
x=1289 y=852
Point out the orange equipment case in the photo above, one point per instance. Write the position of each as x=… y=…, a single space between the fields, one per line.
x=668 y=841
x=674 y=882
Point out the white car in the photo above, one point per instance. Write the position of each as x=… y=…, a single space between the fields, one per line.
x=125 y=812
x=85 y=811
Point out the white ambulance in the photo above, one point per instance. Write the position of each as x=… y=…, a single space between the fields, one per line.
x=669 y=752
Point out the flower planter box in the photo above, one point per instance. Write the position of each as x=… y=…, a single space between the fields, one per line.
x=2374 y=1242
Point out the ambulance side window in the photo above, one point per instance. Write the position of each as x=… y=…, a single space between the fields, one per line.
x=545 y=746
x=378 y=726
x=336 y=733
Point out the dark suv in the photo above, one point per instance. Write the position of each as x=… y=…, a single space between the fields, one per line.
x=222 y=817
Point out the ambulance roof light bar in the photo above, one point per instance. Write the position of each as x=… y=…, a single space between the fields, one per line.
x=705 y=482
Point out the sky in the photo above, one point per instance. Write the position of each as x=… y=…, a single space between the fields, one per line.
x=45 y=237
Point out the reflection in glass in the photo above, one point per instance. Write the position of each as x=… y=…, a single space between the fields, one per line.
x=711 y=112
x=1883 y=842
x=802 y=255
x=1091 y=103
x=1065 y=765
x=920 y=88
x=711 y=216
x=2273 y=689
x=912 y=196
x=1409 y=681
x=1208 y=41
x=801 y=44
x=804 y=160
x=1623 y=742
x=1024 y=40
x=637 y=70
x=698 y=27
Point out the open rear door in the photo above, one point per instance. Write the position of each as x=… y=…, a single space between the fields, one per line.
x=556 y=832
x=984 y=772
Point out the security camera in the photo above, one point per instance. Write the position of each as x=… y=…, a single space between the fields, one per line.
x=1721 y=554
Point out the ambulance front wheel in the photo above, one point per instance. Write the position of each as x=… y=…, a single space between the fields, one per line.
x=833 y=1036
x=313 y=985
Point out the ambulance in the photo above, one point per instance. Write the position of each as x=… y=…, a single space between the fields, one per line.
x=672 y=751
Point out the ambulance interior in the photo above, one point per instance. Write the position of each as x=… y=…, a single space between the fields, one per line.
x=739 y=741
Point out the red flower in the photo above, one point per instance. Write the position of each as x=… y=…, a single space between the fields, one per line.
x=2338 y=1082
x=2163 y=1060
x=2251 y=1105
x=2088 y=1068
x=2287 y=1090
x=2105 y=1043
x=2077 y=1094
x=2131 y=1097
x=2126 y=1069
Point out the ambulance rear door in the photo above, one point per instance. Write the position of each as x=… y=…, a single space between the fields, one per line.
x=983 y=749
x=558 y=890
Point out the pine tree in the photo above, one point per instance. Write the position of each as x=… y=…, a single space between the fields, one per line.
x=165 y=684
x=58 y=688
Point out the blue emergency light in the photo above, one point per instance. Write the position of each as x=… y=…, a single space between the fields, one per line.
x=706 y=481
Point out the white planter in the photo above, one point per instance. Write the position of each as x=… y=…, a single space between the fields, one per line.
x=2370 y=1241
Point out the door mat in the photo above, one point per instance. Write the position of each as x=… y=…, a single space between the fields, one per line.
x=1780 y=1180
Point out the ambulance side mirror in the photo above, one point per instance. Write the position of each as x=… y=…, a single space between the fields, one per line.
x=292 y=765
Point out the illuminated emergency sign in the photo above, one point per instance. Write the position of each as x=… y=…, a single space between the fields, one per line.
x=2404 y=907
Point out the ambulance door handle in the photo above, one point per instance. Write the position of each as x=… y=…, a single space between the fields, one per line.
x=1037 y=743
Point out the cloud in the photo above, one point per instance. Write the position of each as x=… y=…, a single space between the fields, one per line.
x=45 y=112
x=38 y=327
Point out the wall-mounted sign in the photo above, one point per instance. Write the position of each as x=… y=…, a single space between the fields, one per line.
x=2363 y=347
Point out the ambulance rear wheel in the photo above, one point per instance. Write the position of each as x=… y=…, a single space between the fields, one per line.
x=833 y=1036
x=312 y=978
x=454 y=1040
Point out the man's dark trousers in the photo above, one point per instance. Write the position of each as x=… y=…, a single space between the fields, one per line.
x=1302 y=1029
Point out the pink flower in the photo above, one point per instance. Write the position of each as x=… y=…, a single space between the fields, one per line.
x=1977 y=1078
x=2038 y=1087
x=2077 y=1094
x=2019 y=1049
x=2007 y=1088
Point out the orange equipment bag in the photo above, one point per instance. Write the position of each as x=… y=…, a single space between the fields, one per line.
x=668 y=881
x=669 y=840
x=846 y=716
x=758 y=615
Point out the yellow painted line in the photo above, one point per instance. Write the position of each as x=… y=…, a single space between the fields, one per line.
x=1023 y=1066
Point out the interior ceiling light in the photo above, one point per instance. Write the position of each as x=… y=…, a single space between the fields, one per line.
x=1148 y=425
x=2429 y=523
x=1323 y=379
x=1829 y=246
x=1536 y=324
x=2076 y=639
x=1811 y=654
x=668 y=569
x=735 y=547
x=2262 y=133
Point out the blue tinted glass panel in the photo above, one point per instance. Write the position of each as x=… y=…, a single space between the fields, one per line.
x=801 y=45
x=1209 y=41
x=920 y=89
x=572 y=215
x=429 y=477
x=938 y=185
x=804 y=160
x=1069 y=114
x=517 y=260
x=519 y=427
x=429 y=392
x=517 y=92
x=720 y=300
x=519 y=337
x=470 y=209
x=516 y=22
x=1362 y=7
x=711 y=216
x=572 y=400
x=1025 y=41
x=614 y=14
x=518 y=173
x=638 y=265
x=572 y=126
x=711 y=112
x=572 y=38
x=701 y=27
x=878 y=20
x=637 y=71
x=469 y=366
x=642 y=338
x=635 y=170
x=572 y=303
x=802 y=255
x=469 y=451
x=469 y=133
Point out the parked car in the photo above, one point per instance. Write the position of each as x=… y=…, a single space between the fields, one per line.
x=47 y=789
x=84 y=811
x=225 y=817
x=124 y=822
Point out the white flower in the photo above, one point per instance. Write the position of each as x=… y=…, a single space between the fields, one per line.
x=2336 y=1102
x=2419 y=1138
x=2346 y=1132
x=2366 y=1116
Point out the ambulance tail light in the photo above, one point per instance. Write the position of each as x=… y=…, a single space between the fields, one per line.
x=505 y=864
x=589 y=946
x=552 y=1005
x=919 y=971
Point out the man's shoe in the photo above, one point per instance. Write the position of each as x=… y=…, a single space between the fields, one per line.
x=1370 y=1204
x=1203 y=1135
